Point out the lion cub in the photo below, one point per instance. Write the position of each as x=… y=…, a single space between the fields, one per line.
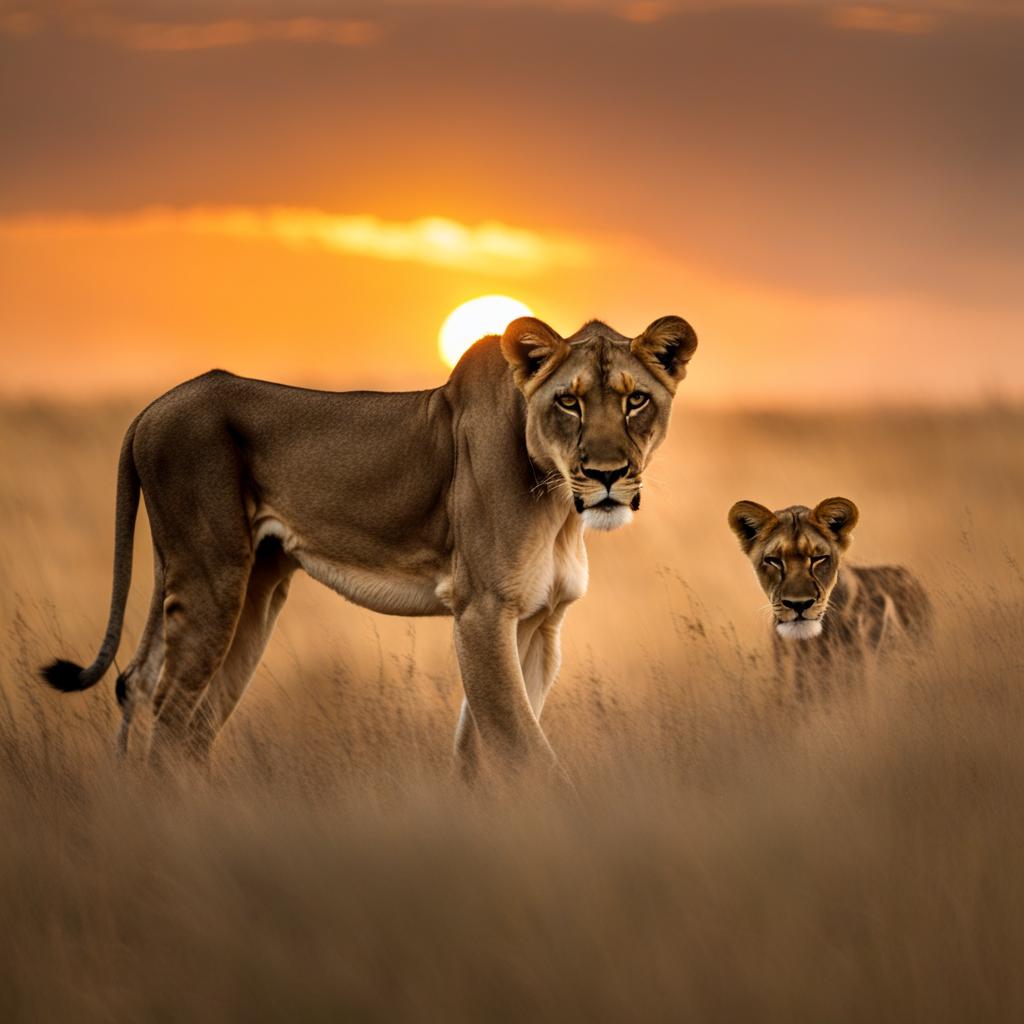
x=828 y=616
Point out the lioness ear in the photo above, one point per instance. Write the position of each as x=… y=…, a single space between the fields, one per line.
x=533 y=350
x=666 y=347
x=747 y=519
x=839 y=515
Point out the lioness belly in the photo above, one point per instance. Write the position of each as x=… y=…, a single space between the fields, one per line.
x=392 y=591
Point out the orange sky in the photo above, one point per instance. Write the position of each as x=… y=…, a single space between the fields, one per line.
x=829 y=192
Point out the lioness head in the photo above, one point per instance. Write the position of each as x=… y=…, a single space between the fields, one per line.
x=597 y=405
x=796 y=553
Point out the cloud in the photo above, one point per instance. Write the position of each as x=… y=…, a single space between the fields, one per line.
x=763 y=144
x=159 y=25
x=865 y=18
x=220 y=29
x=489 y=247
x=203 y=35
x=645 y=12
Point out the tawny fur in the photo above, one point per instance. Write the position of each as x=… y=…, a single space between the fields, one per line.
x=468 y=500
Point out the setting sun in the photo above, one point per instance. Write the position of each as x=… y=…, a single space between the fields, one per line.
x=489 y=314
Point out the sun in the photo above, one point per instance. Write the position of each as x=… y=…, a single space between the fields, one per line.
x=489 y=314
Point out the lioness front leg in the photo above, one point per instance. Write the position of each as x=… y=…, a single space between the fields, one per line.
x=538 y=642
x=540 y=654
x=467 y=745
x=506 y=728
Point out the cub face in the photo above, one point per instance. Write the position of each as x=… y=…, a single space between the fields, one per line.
x=597 y=406
x=796 y=554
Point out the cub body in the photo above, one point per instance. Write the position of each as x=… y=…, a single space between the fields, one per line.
x=828 y=616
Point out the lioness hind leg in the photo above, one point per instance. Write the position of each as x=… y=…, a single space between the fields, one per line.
x=265 y=596
x=191 y=473
x=201 y=610
x=137 y=683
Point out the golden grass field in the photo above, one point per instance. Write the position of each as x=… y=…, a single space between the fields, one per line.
x=729 y=860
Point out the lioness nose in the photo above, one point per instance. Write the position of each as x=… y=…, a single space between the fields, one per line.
x=798 y=606
x=606 y=476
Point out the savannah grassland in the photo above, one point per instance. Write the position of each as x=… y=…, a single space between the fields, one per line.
x=729 y=860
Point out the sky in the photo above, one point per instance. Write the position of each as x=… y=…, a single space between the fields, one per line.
x=829 y=192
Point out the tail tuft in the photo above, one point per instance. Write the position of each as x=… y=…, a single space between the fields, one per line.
x=121 y=688
x=65 y=676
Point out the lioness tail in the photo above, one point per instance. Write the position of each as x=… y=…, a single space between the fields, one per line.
x=66 y=676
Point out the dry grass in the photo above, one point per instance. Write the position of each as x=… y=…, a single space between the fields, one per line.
x=730 y=860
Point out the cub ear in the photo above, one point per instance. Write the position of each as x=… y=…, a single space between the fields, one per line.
x=533 y=350
x=840 y=516
x=747 y=519
x=666 y=347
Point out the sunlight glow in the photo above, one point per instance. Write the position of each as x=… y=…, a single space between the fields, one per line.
x=489 y=314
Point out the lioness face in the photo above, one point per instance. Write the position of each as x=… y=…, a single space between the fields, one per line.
x=796 y=553
x=597 y=405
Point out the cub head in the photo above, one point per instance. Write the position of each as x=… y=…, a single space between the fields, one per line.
x=796 y=553
x=597 y=405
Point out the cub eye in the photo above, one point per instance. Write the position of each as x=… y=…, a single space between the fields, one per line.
x=819 y=559
x=570 y=402
x=775 y=563
x=636 y=400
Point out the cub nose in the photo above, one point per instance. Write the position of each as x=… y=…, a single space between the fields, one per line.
x=606 y=476
x=798 y=606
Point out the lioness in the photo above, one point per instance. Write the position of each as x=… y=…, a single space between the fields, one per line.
x=468 y=500
x=826 y=620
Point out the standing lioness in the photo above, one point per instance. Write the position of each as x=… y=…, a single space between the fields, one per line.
x=468 y=500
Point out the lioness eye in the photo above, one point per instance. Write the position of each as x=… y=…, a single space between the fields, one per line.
x=637 y=400
x=570 y=402
x=819 y=559
x=775 y=563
